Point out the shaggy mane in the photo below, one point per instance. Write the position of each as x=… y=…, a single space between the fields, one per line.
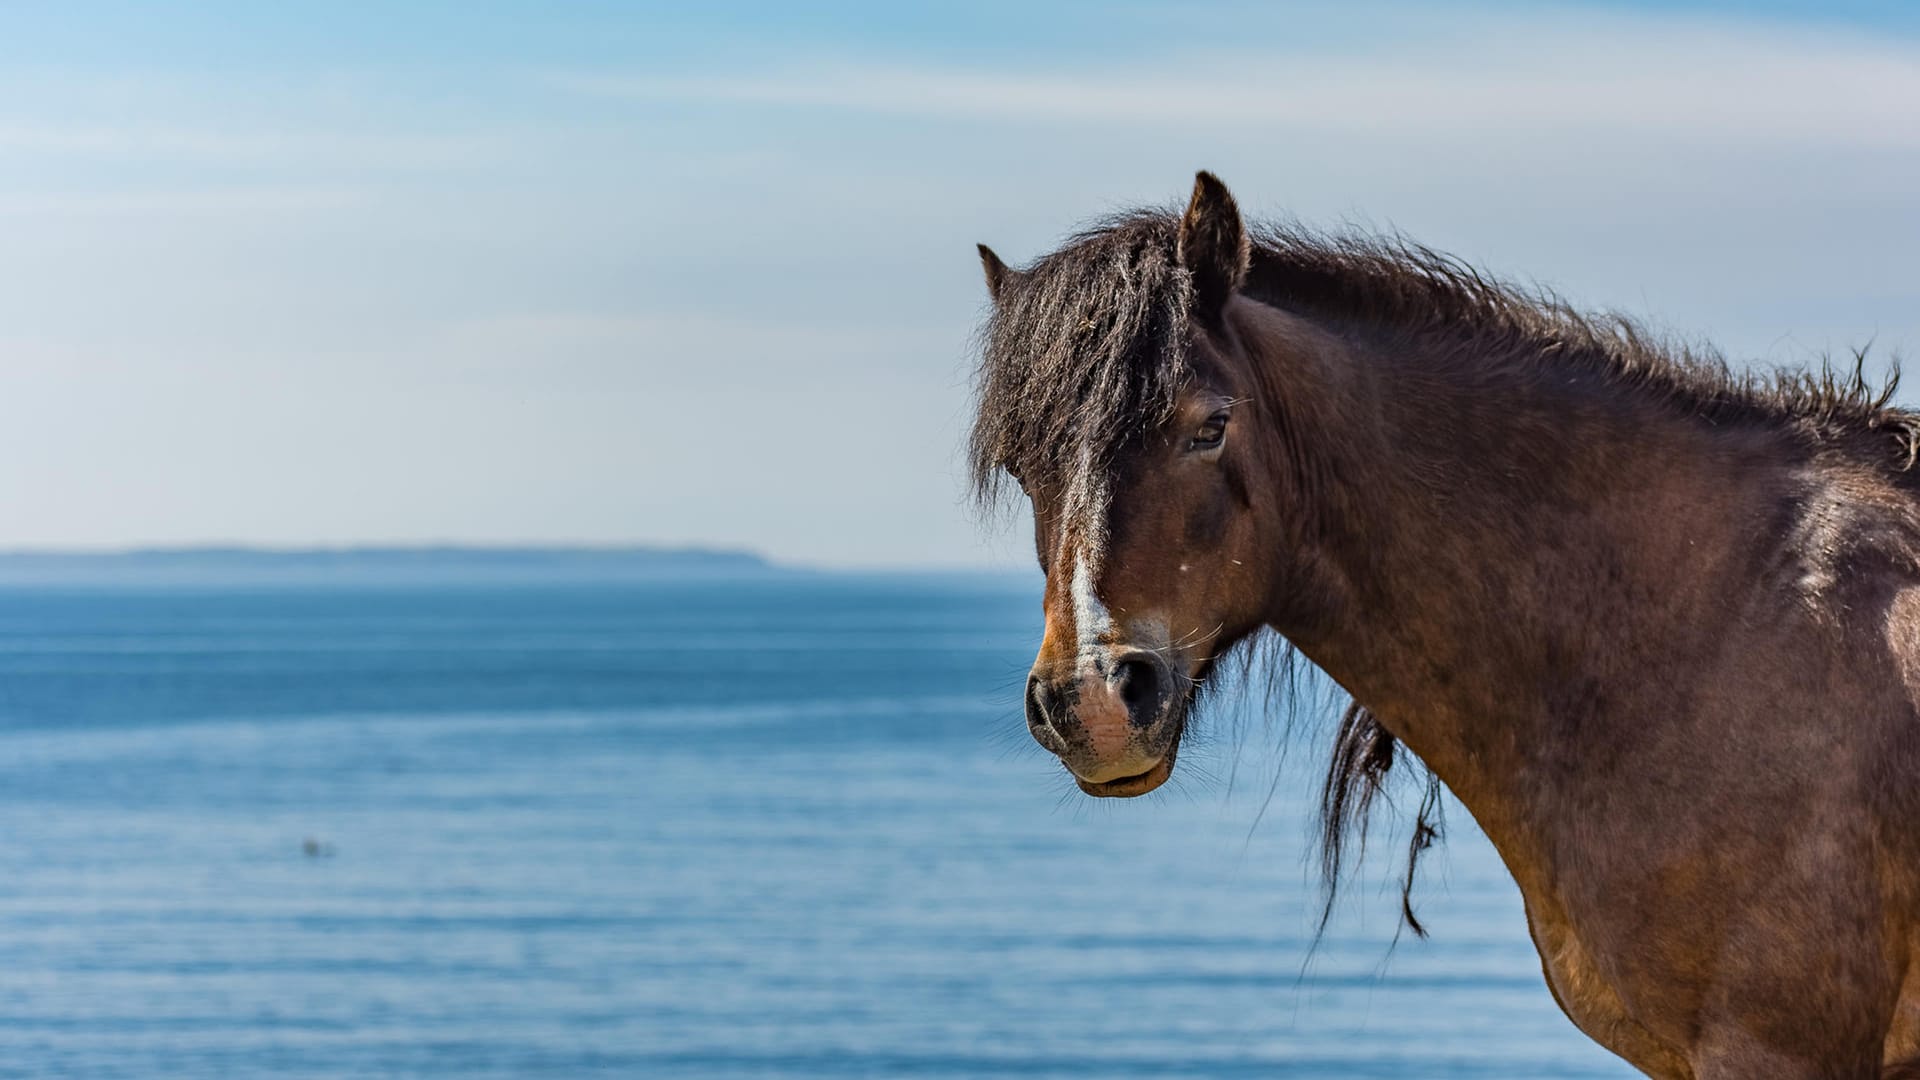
x=1363 y=283
x=1086 y=350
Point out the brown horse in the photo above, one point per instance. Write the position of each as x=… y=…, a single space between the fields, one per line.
x=1657 y=626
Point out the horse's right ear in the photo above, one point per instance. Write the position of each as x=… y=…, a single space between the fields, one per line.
x=998 y=273
x=1213 y=245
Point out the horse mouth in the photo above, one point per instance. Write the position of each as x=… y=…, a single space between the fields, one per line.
x=1126 y=787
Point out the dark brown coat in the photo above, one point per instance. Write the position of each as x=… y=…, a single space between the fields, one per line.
x=1657 y=626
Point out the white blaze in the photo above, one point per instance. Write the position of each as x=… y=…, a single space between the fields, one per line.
x=1091 y=622
x=1087 y=508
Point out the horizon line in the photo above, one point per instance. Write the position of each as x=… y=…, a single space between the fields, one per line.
x=699 y=552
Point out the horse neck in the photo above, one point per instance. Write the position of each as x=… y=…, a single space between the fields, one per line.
x=1500 y=542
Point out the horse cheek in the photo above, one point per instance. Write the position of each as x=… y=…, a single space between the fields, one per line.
x=1209 y=535
x=1206 y=531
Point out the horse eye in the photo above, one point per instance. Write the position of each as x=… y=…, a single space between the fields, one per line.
x=1211 y=433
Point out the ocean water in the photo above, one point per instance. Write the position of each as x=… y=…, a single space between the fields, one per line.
x=790 y=827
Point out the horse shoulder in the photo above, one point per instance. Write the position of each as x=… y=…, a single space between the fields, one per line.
x=1894 y=769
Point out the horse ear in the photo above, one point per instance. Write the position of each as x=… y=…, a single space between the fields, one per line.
x=998 y=273
x=1213 y=245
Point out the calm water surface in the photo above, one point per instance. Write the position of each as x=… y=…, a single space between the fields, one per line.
x=772 y=829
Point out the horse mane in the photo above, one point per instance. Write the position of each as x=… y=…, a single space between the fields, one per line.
x=1364 y=283
x=1087 y=351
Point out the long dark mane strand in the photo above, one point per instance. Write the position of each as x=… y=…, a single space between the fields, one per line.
x=1363 y=755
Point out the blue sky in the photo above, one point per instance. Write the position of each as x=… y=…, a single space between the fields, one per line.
x=432 y=272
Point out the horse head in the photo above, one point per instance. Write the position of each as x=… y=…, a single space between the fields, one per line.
x=1119 y=396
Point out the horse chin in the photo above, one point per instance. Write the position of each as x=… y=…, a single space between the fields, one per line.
x=1126 y=787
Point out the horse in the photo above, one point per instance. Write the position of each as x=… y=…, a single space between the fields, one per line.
x=1655 y=623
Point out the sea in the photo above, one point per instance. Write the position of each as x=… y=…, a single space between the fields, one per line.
x=780 y=826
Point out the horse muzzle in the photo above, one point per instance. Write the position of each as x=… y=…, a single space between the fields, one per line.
x=1114 y=722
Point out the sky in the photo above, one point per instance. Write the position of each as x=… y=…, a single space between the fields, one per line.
x=626 y=273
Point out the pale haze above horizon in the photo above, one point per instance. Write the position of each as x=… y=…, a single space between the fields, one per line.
x=607 y=274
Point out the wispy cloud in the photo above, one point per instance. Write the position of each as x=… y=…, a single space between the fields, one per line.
x=1648 y=76
x=237 y=146
x=725 y=290
x=210 y=201
x=651 y=349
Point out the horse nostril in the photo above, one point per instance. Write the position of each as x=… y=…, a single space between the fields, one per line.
x=1139 y=684
x=1040 y=703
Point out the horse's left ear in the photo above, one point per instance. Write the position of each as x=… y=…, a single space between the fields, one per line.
x=997 y=272
x=1213 y=245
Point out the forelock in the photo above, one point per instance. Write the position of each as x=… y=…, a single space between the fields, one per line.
x=1086 y=351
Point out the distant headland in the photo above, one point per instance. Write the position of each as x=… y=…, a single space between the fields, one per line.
x=380 y=565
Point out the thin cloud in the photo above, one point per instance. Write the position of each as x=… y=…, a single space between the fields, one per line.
x=654 y=348
x=251 y=148
x=210 y=201
x=1692 y=79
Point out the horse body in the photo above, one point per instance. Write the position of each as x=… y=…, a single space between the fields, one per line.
x=1658 y=629
x=1663 y=668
